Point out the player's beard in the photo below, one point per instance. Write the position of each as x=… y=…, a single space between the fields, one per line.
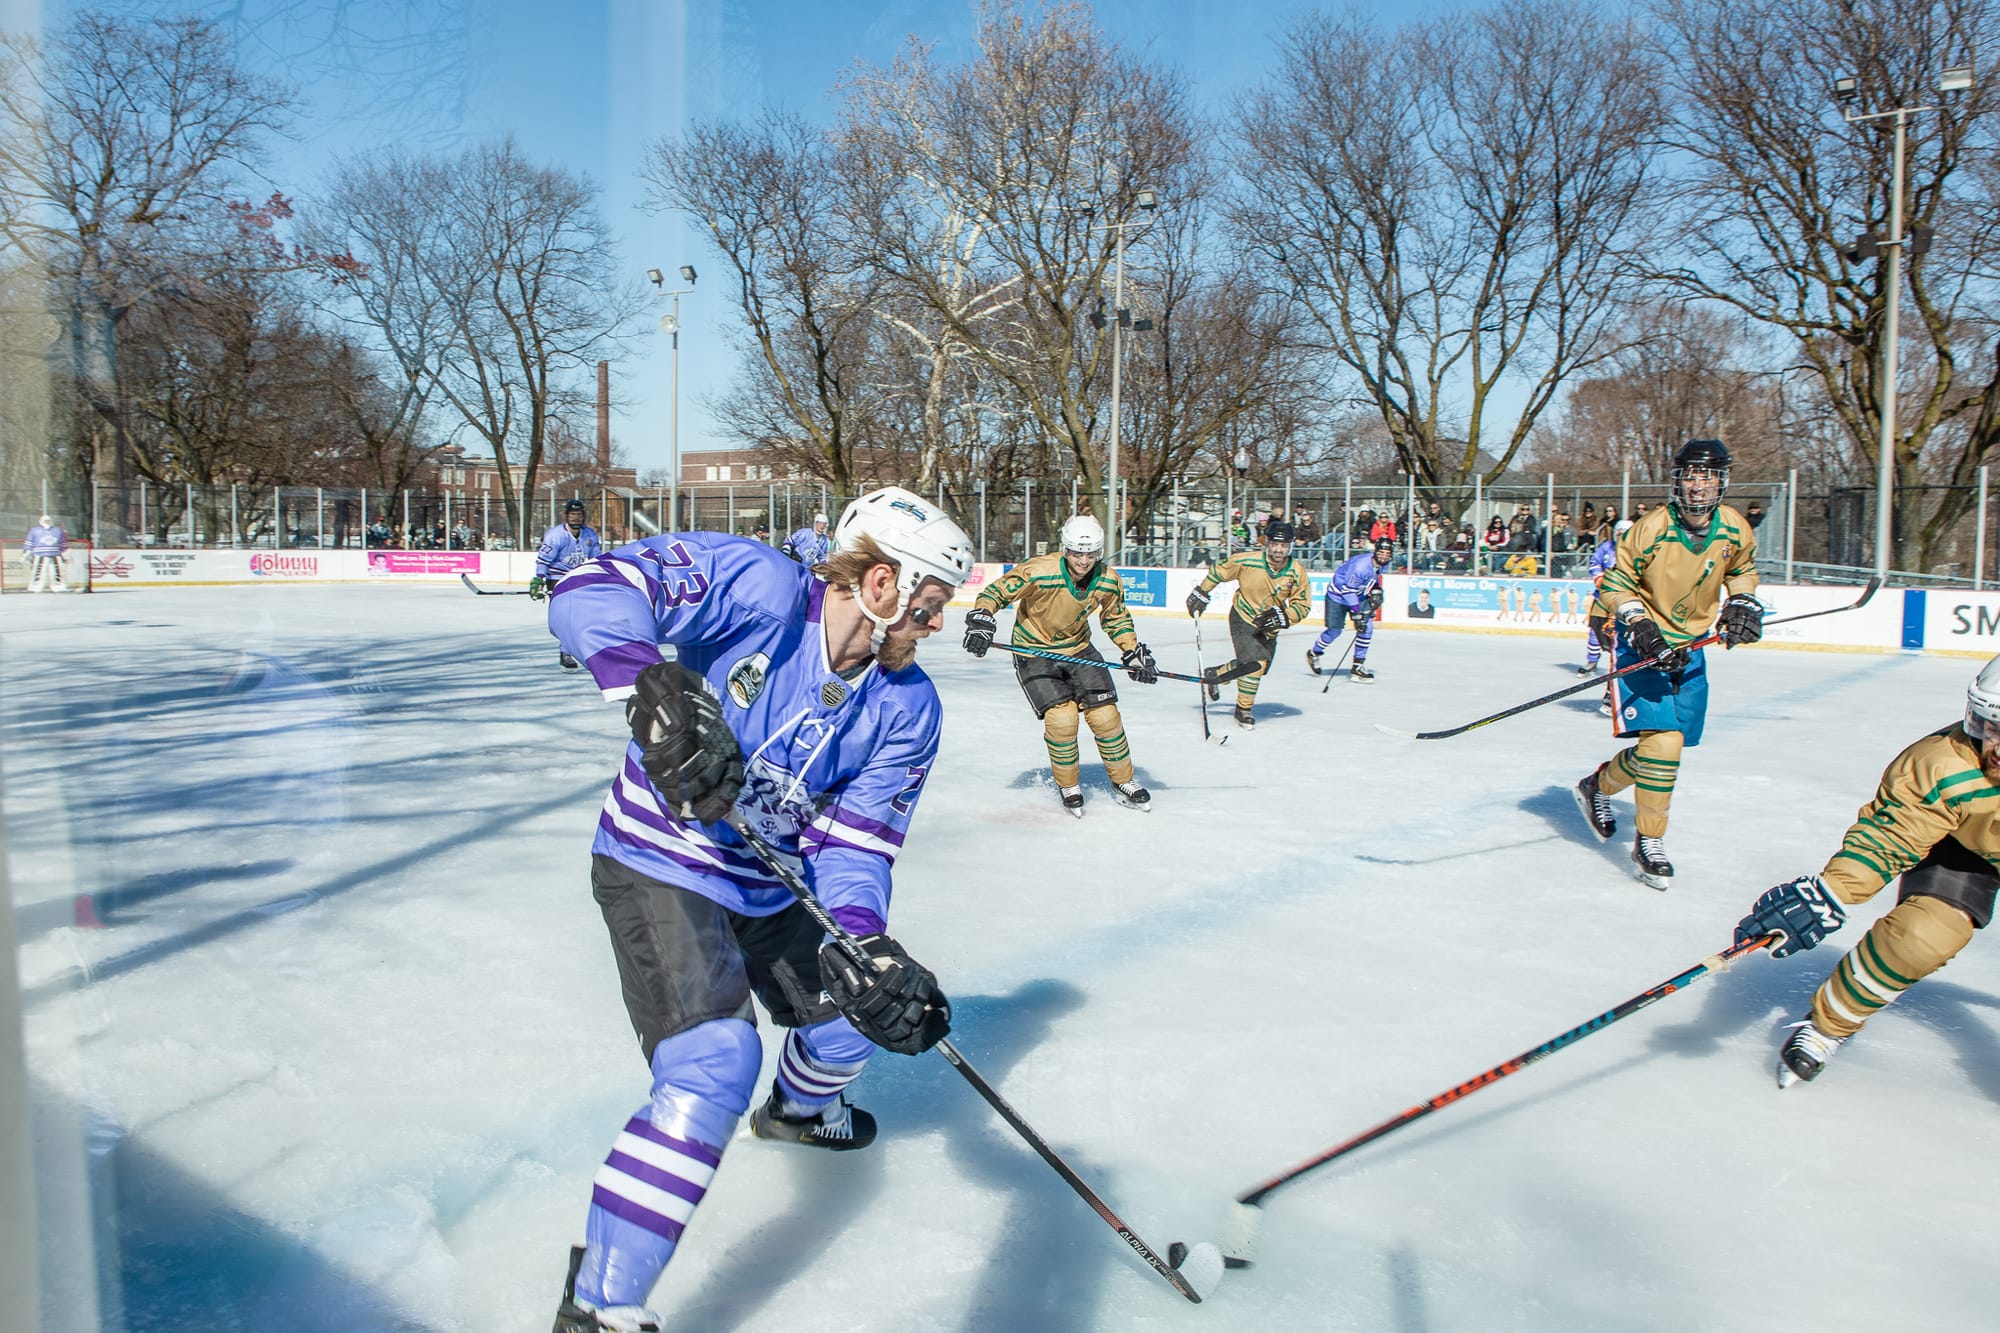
x=897 y=651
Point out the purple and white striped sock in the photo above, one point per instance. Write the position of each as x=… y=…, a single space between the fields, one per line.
x=817 y=1064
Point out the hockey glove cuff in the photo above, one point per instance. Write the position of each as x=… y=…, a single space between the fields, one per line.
x=898 y=1005
x=685 y=744
x=1802 y=912
x=979 y=629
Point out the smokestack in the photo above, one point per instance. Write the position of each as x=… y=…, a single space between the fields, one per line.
x=604 y=421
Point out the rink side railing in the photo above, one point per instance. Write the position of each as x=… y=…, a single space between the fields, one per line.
x=1935 y=619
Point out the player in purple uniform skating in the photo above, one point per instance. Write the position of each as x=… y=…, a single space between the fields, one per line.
x=793 y=703
x=1598 y=636
x=1354 y=593
x=565 y=546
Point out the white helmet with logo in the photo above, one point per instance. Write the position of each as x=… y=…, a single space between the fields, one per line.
x=1982 y=700
x=1084 y=535
x=920 y=537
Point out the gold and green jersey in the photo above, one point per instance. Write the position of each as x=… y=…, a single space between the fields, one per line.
x=1259 y=586
x=1931 y=791
x=1052 y=610
x=1677 y=577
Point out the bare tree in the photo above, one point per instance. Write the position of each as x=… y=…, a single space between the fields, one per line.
x=769 y=194
x=1451 y=207
x=491 y=278
x=119 y=146
x=1684 y=372
x=1782 y=185
x=991 y=186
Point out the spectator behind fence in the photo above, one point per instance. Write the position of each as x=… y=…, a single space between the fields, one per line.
x=1522 y=565
x=1307 y=527
x=1384 y=528
x=1754 y=515
x=1497 y=535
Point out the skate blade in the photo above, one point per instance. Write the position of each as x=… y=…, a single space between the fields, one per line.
x=1652 y=881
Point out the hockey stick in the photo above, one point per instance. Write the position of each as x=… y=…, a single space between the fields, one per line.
x=1207 y=1270
x=1331 y=671
x=1714 y=636
x=1240 y=670
x=491 y=592
x=1201 y=690
x=1240 y=1232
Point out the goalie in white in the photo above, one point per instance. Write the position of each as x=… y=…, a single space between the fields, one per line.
x=43 y=549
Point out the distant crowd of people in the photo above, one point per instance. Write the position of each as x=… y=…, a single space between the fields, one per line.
x=1432 y=541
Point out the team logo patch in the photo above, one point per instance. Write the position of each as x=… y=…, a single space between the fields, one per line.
x=746 y=679
x=1630 y=712
x=832 y=693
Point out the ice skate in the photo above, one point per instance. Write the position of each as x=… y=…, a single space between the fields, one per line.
x=1587 y=669
x=838 y=1126
x=1132 y=795
x=1360 y=673
x=1312 y=661
x=568 y=663
x=572 y=1317
x=1596 y=807
x=1604 y=704
x=1804 y=1053
x=1244 y=718
x=1649 y=857
x=1072 y=799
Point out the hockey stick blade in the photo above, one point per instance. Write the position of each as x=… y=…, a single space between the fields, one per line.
x=848 y=945
x=466 y=579
x=1240 y=1227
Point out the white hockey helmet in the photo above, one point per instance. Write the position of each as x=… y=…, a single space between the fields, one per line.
x=1084 y=535
x=47 y=521
x=920 y=537
x=819 y=518
x=1982 y=700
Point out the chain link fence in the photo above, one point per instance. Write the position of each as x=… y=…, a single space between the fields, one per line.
x=1518 y=527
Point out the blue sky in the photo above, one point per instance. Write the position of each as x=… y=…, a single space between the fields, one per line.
x=590 y=85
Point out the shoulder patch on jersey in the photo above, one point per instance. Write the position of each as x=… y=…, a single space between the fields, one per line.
x=746 y=679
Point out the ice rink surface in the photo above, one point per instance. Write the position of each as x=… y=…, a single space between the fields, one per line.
x=318 y=1001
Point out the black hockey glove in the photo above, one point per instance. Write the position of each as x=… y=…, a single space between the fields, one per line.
x=979 y=628
x=1802 y=912
x=1270 y=620
x=898 y=1007
x=1197 y=602
x=1139 y=665
x=685 y=745
x=1649 y=640
x=1742 y=621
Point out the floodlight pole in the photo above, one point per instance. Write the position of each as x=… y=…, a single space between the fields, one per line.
x=1956 y=79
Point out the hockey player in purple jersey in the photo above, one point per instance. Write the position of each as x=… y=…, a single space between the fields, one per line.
x=565 y=546
x=794 y=704
x=1354 y=593
x=1598 y=635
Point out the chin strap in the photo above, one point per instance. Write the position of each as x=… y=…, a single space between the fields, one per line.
x=881 y=623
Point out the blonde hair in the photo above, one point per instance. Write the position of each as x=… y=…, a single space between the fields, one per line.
x=844 y=569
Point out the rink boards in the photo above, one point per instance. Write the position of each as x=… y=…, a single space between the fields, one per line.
x=1936 y=620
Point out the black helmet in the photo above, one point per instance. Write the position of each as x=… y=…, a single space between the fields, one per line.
x=574 y=507
x=1704 y=458
x=1385 y=546
x=1278 y=530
